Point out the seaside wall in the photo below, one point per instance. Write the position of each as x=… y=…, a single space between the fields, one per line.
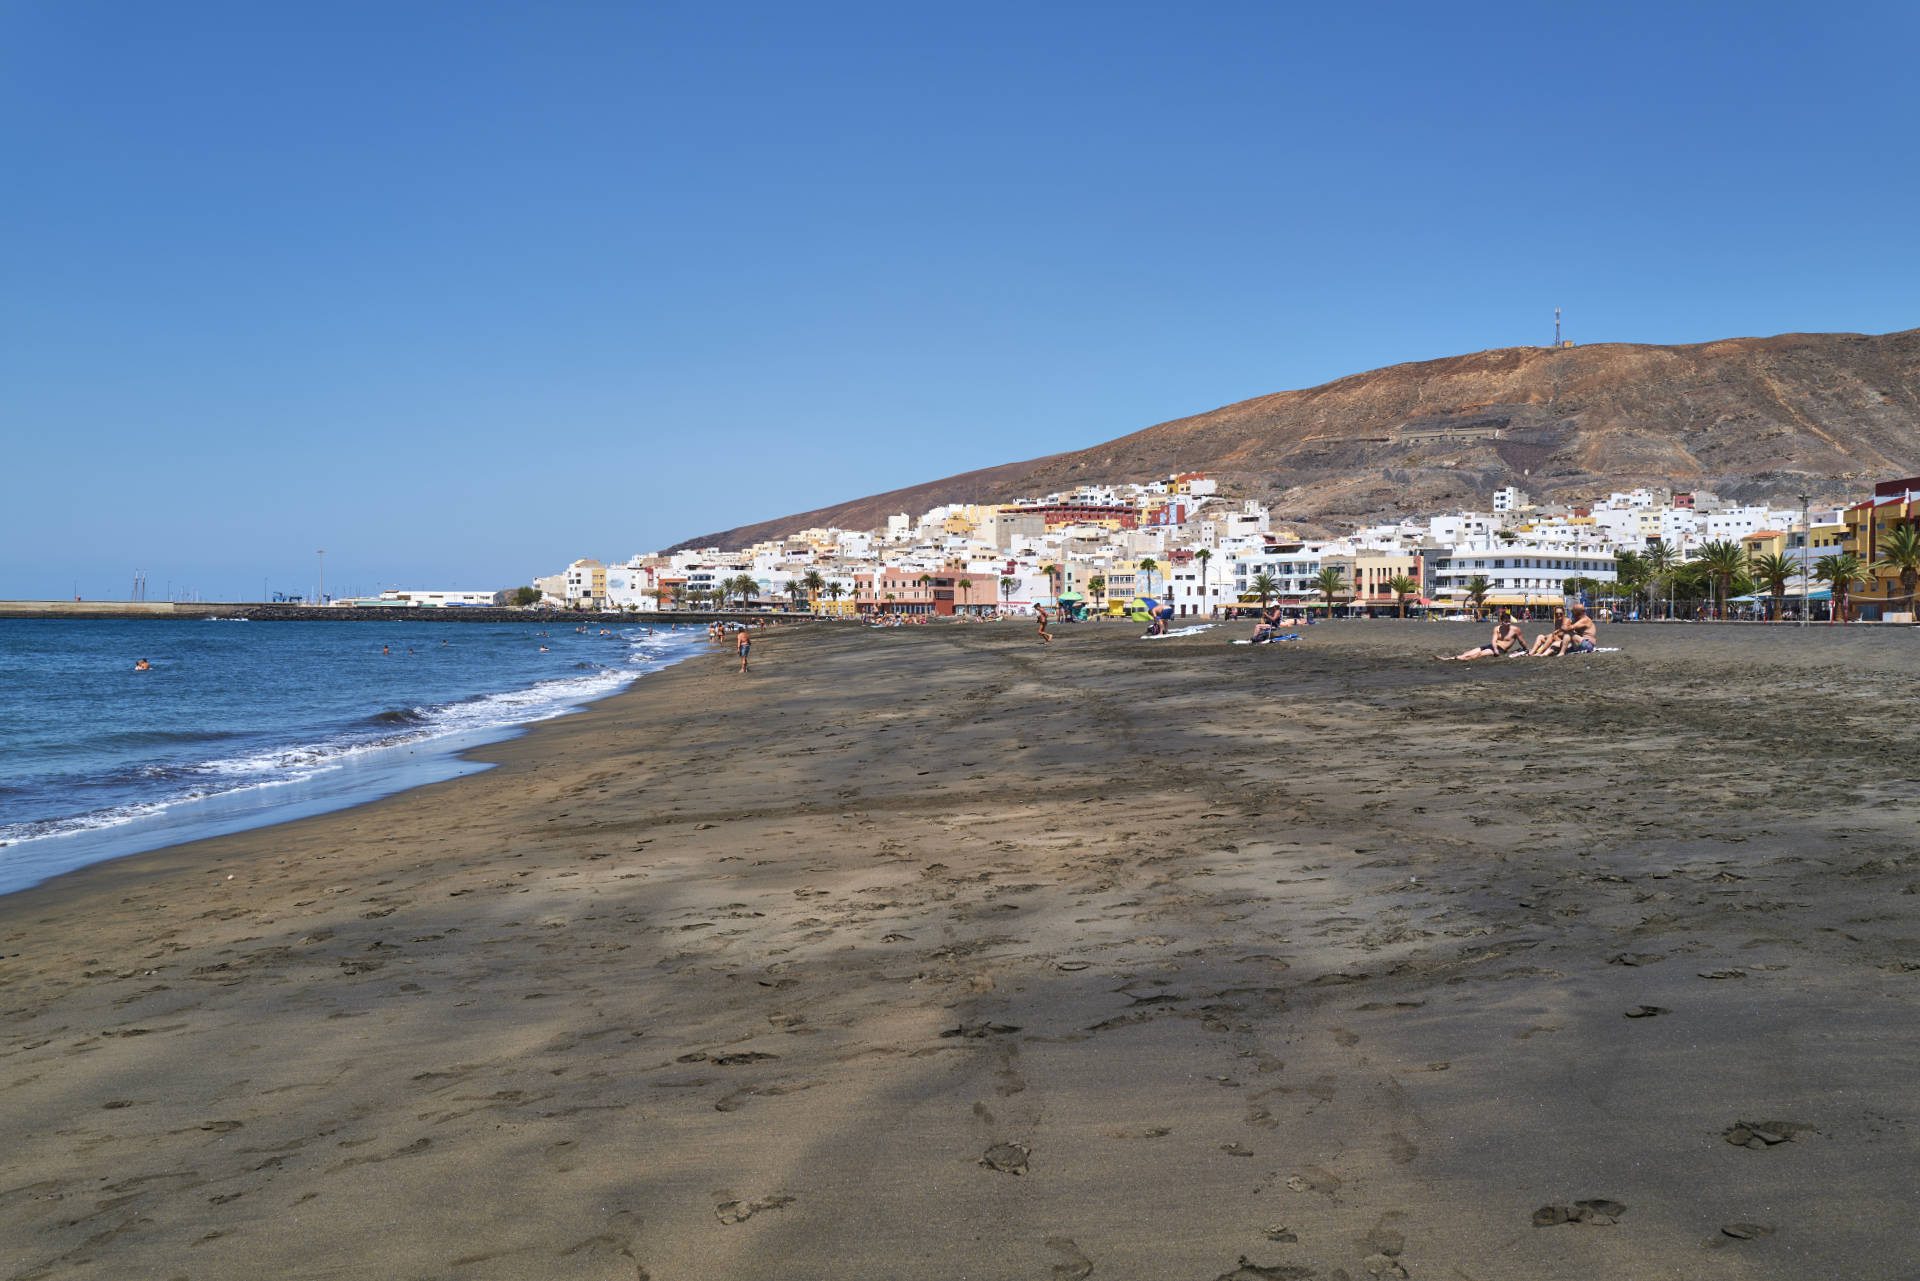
x=113 y=609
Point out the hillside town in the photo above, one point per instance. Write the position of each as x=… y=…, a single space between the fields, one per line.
x=1104 y=550
x=1101 y=549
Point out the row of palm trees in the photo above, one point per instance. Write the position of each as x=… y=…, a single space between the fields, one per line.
x=1725 y=570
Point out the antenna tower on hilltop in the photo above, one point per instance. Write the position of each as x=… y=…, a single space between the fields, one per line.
x=1556 y=327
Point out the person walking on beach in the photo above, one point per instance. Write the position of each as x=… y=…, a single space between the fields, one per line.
x=744 y=644
x=1507 y=638
x=1040 y=612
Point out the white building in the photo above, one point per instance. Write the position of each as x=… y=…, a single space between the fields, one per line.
x=1528 y=572
x=1511 y=499
x=630 y=586
x=422 y=597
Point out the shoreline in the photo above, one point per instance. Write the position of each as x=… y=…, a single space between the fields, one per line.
x=935 y=951
x=387 y=770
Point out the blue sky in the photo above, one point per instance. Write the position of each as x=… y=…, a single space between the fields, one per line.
x=462 y=291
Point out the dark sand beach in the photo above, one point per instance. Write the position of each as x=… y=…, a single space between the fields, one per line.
x=934 y=953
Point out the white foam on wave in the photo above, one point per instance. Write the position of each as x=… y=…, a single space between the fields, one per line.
x=279 y=767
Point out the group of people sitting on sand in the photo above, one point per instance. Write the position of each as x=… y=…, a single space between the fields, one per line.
x=1573 y=632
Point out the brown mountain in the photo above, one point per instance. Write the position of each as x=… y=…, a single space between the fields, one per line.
x=1748 y=418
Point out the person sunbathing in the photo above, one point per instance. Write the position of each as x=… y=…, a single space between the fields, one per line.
x=1583 y=635
x=1546 y=642
x=1270 y=619
x=1507 y=639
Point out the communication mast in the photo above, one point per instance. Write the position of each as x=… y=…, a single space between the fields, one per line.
x=1556 y=326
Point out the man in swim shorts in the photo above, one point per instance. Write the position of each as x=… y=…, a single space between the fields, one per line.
x=1583 y=635
x=744 y=645
x=1507 y=639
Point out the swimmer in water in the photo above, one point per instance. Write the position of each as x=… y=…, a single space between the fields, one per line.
x=385 y=650
x=543 y=649
x=143 y=666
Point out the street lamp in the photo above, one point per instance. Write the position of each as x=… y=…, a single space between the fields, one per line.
x=1806 y=556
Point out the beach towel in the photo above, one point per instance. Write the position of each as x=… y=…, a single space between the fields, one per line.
x=1184 y=631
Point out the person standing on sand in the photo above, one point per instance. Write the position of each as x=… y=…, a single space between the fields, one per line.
x=1046 y=637
x=745 y=646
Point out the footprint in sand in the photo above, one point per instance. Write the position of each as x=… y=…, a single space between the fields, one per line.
x=1599 y=1211
x=1008 y=1158
x=731 y=1212
x=1248 y=1270
x=1074 y=1265
x=1761 y=1135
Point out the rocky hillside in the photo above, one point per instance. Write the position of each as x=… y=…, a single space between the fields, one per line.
x=1747 y=418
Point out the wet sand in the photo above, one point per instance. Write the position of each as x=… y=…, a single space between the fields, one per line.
x=937 y=954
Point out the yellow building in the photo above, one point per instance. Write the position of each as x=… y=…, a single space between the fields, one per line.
x=1893 y=504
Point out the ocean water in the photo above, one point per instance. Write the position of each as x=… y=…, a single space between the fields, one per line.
x=243 y=723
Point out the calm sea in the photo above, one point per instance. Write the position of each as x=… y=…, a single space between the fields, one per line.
x=242 y=723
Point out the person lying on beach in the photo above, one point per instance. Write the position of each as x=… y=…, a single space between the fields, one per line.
x=1583 y=636
x=1553 y=641
x=1507 y=639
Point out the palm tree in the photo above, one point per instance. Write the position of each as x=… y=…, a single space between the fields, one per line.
x=966 y=590
x=834 y=591
x=889 y=597
x=1773 y=570
x=1203 y=556
x=1006 y=588
x=1508 y=537
x=1402 y=587
x=1841 y=571
x=1264 y=587
x=815 y=584
x=1330 y=582
x=1053 y=573
x=1900 y=555
x=1661 y=560
x=1097 y=585
x=1722 y=559
x=1477 y=590
x=1630 y=571
x=1147 y=566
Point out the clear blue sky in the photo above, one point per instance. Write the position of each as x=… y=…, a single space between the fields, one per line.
x=462 y=291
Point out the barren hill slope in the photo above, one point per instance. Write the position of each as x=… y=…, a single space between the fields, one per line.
x=1745 y=417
